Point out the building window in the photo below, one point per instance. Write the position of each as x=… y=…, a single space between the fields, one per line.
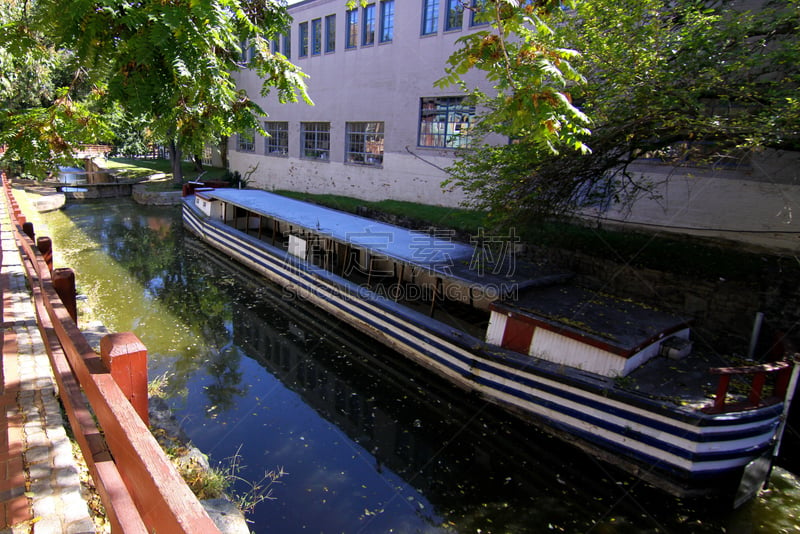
x=455 y=15
x=208 y=155
x=445 y=122
x=364 y=143
x=316 y=37
x=387 y=21
x=478 y=17
x=351 y=29
x=330 y=33
x=287 y=44
x=276 y=46
x=430 y=16
x=302 y=40
x=316 y=140
x=246 y=141
x=277 y=144
x=368 y=30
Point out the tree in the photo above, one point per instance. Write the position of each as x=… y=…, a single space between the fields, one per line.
x=672 y=79
x=173 y=61
x=38 y=119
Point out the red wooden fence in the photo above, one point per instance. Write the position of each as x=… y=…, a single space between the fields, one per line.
x=141 y=490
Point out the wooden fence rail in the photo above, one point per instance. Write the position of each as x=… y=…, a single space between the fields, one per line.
x=141 y=490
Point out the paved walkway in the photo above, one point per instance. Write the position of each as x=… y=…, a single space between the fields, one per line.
x=40 y=490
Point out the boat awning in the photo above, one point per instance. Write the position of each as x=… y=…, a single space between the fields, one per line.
x=435 y=253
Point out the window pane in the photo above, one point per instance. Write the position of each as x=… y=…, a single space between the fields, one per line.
x=303 y=39
x=277 y=144
x=479 y=15
x=455 y=15
x=315 y=140
x=330 y=33
x=368 y=34
x=387 y=20
x=364 y=143
x=445 y=122
x=316 y=36
x=430 y=16
x=352 y=29
x=246 y=140
x=287 y=44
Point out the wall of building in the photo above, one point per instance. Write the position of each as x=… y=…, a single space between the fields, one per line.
x=380 y=82
x=753 y=201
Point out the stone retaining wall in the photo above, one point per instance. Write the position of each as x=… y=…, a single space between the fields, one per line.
x=723 y=310
x=141 y=195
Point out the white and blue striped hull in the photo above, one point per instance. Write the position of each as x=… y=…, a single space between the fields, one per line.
x=682 y=450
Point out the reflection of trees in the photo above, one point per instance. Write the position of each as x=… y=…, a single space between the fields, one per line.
x=224 y=370
x=148 y=243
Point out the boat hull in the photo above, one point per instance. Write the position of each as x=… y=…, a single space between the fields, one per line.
x=686 y=452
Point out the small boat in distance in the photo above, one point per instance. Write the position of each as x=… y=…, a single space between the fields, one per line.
x=609 y=375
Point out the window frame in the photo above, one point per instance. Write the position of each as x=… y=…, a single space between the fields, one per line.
x=246 y=140
x=386 y=15
x=430 y=17
x=357 y=134
x=320 y=133
x=287 y=43
x=454 y=135
x=454 y=6
x=302 y=39
x=368 y=25
x=475 y=11
x=330 y=33
x=351 y=29
x=316 y=37
x=278 y=138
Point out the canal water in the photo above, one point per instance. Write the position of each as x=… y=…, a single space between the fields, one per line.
x=368 y=442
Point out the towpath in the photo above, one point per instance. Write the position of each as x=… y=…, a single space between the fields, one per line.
x=40 y=488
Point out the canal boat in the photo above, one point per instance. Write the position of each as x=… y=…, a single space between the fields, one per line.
x=614 y=377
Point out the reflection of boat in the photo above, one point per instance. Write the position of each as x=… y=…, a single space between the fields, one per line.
x=610 y=375
x=376 y=398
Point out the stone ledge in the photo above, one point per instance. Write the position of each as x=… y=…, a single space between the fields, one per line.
x=142 y=196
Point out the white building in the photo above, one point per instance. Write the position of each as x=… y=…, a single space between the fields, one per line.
x=379 y=128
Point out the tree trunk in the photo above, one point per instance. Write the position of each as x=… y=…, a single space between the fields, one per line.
x=223 y=151
x=175 y=159
x=198 y=163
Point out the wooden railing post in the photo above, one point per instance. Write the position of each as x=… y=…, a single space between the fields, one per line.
x=722 y=391
x=64 y=284
x=28 y=229
x=45 y=246
x=756 y=387
x=126 y=358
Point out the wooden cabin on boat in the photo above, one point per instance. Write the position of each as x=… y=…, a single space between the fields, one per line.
x=406 y=265
x=584 y=329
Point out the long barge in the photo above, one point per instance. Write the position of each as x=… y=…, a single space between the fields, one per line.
x=613 y=377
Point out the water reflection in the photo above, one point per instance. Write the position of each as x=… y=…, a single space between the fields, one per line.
x=371 y=443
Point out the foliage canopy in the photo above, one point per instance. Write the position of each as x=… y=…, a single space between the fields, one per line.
x=171 y=61
x=674 y=80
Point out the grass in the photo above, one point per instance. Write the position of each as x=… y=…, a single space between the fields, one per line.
x=678 y=254
x=666 y=252
x=458 y=219
x=671 y=253
x=140 y=169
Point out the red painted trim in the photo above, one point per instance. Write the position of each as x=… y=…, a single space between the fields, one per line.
x=162 y=499
x=584 y=338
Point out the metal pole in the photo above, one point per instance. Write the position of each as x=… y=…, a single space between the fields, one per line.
x=787 y=404
x=754 y=336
